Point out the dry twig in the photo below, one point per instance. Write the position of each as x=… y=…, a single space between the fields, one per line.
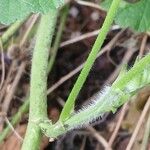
x=72 y=73
x=12 y=128
x=142 y=48
x=90 y=4
x=115 y=132
x=139 y=123
x=13 y=88
x=99 y=138
x=3 y=64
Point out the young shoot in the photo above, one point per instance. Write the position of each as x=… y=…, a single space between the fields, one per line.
x=108 y=99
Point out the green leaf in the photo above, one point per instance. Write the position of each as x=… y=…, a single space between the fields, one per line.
x=133 y=15
x=12 y=10
x=43 y=6
x=136 y=16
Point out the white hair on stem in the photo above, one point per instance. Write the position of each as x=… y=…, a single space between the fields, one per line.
x=108 y=99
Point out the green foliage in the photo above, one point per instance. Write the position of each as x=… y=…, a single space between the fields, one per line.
x=136 y=16
x=38 y=81
x=43 y=6
x=128 y=83
x=12 y=10
x=69 y=105
x=109 y=99
x=133 y=15
x=106 y=4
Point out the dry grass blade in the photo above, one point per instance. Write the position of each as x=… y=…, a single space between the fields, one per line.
x=8 y=78
x=99 y=138
x=142 y=48
x=114 y=134
x=79 y=38
x=9 y=96
x=12 y=128
x=33 y=21
x=89 y=4
x=139 y=123
x=72 y=73
x=146 y=134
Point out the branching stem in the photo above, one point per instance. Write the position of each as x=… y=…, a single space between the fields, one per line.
x=69 y=106
x=38 y=103
x=110 y=99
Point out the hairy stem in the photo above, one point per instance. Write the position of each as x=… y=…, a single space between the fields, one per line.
x=110 y=99
x=68 y=108
x=115 y=96
x=138 y=67
x=25 y=107
x=38 y=106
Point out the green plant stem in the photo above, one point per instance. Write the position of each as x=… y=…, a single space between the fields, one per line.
x=146 y=135
x=68 y=108
x=6 y=131
x=11 y=30
x=25 y=107
x=114 y=97
x=53 y=53
x=110 y=99
x=138 y=67
x=38 y=96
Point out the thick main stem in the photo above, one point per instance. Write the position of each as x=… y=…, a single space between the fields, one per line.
x=89 y=62
x=25 y=107
x=38 y=106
